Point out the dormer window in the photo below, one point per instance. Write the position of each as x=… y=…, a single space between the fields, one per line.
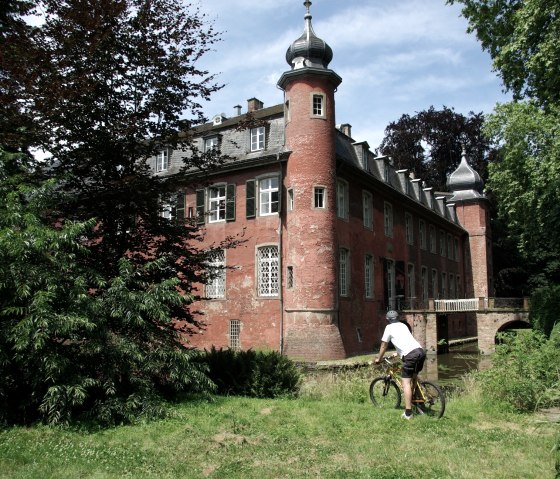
x=218 y=119
x=257 y=138
x=211 y=143
x=162 y=160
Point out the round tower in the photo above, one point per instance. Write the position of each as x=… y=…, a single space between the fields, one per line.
x=310 y=253
x=473 y=213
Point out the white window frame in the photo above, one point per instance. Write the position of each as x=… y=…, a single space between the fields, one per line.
x=211 y=143
x=258 y=138
x=409 y=228
x=319 y=197
x=217 y=203
x=342 y=199
x=368 y=276
x=343 y=271
x=166 y=211
x=367 y=206
x=268 y=271
x=318 y=105
x=162 y=160
x=216 y=288
x=269 y=196
x=388 y=219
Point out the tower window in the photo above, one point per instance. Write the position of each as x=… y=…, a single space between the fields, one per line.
x=319 y=197
x=318 y=104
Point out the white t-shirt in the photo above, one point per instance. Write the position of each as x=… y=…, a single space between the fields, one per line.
x=400 y=336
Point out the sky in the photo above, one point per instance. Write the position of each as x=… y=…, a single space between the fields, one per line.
x=395 y=57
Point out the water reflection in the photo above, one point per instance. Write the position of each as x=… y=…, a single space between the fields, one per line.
x=448 y=368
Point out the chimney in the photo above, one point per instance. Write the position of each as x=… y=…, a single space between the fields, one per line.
x=237 y=109
x=346 y=128
x=253 y=105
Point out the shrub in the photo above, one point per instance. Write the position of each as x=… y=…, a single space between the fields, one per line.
x=545 y=307
x=525 y=372
x=261 y=374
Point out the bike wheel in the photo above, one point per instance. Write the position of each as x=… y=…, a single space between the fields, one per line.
x=434 y=405
x=384 y=393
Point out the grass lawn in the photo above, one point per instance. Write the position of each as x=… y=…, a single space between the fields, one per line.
x=337 y=436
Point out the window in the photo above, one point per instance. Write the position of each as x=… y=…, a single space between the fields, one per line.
x=343 y=271
x=432 y=239
x=216 y=287
x=162 y=160
x=422 y=230
x=217 y=203
x=390 y=285
x=456 y=248
x=442 y=243
x=318 y=107
x=388 y=214
x=342 y=199
x=443 y=285
x=166 y=211
x=268 y=189
x=234 y=336
x=257 y=138
x=290 y=200
x=410 y=276
x=268 y=271
x=386 y=172
x=449 y=246
x=452 y=291
x=290 y=277
x=359 y=335
x=424 y=279
x=319 y=197
x=367 y=200
x=210 y=143
x=435 y=294
x=368 y=276
x=458 y=287
x=408 y=225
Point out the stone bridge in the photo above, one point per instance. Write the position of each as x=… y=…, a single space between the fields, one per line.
x=482 y=317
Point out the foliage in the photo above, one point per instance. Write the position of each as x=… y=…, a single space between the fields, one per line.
x=545 y=309
x=71 y=341
x=526 y=181
x=430 y=144
x=262 y=374
x=523 y=38
x=525 y=372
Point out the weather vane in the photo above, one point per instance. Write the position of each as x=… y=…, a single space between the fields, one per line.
x=307 y=4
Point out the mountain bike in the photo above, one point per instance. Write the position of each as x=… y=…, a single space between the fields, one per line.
x=386 y=392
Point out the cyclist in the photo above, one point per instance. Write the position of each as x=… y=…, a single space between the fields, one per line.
x=408 y=349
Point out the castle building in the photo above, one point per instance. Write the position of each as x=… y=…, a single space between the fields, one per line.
x=333 y=235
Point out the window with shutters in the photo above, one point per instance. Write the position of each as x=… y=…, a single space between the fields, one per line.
x=268 y=272
x=269 y=196
x=216 y=287
x=217 y=203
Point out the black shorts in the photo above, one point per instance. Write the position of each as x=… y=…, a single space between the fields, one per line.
x=413 y=362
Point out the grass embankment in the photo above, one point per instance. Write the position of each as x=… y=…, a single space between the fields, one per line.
x=330 y=432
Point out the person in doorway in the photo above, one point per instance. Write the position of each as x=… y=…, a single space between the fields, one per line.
x=408 y=349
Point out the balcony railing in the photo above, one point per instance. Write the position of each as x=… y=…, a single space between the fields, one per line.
x=459 y=305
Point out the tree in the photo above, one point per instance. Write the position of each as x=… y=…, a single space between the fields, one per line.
x=523 y=39
x=102 y=86
x=430 y=144
x=526 y=179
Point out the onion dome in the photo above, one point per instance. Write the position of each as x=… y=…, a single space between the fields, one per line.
x=465 y=182
x=309 y=50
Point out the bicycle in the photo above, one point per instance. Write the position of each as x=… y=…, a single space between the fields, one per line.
x=386 y=392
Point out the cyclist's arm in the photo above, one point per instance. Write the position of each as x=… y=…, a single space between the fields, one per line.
x=382 y=350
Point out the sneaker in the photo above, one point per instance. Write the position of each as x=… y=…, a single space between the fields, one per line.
x=404 y=416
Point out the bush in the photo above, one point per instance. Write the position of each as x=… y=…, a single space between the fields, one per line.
x=525 y=372
x=261 y=374
x=545 y=307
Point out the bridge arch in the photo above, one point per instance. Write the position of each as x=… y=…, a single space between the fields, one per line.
x=490 y=323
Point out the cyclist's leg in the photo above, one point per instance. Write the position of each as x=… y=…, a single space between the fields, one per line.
x=407 y=390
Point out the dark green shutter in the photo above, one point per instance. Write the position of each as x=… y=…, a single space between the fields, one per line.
x=230 y=202
x=200 y=207
x=180 y=207
x=250 y=203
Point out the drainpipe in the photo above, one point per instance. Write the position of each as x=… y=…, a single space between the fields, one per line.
x=281 y=251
